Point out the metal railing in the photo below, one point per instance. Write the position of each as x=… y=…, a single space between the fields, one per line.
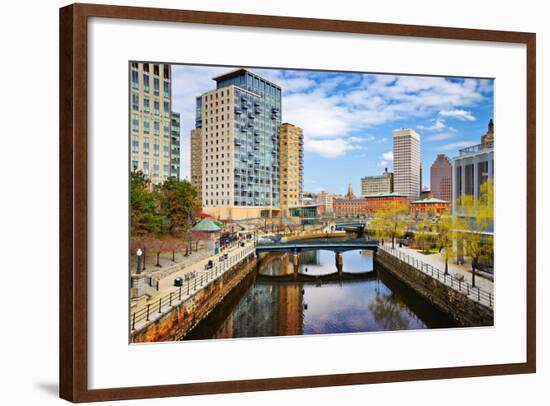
x=181 y=294
x=476 y=148
x=472 y=292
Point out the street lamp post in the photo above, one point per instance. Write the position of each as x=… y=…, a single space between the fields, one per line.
x=139 y=253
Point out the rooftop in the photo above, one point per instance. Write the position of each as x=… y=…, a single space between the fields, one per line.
x=206 y=225
x=430 y=200
x=239 y=72
x=384 y=194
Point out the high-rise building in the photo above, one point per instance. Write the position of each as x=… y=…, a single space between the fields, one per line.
x=377 y=184
x=195 y=161
x=151 y=120
x=175 y=146
x=239 y=124
x=441 y=174
x=291 y=166
x=406 y=163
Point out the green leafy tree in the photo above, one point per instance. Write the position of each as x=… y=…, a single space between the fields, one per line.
x=178 y=204
x=478 y=221
x=446 y=237
x=424 y=233
x=144 y=216
x=391 y=222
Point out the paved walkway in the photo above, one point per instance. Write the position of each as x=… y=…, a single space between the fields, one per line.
x=436 y=261
x=166 y=284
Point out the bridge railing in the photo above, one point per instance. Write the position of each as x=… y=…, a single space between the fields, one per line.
x=473 y=292
x=317 y=242
x=153 y=310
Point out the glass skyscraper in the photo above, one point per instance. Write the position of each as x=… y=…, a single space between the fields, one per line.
x=239 y=122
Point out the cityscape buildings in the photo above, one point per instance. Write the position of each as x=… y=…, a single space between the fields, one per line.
x=430 y=206
x=441 y=173
x=154 y=144
x=175 y=146
x=291 y=166
x=472 y=167
x=377 y=183
x=196 y=161
x=239 y=123
x=325 y=199
x=406 y=163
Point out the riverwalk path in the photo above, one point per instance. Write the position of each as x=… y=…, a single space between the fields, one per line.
x=459 y=277
x=436 y=261
x=164 y=295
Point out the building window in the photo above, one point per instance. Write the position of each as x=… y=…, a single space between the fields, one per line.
x=166 y=109
x=156 y=69
x=146 y=82
x=135 y=122
x=156 y=106
x=135 y=102
x=156 y=86
x=135 y=79
x=146 y=104
x=146 y=125
x=166 y=88
x=166 y=71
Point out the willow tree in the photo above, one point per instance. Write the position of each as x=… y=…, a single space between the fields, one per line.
x=391 y=222
x=478 y=223
x=423 y=233
x=446 y=236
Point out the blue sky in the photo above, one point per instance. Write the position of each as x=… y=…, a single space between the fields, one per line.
x=348 y=118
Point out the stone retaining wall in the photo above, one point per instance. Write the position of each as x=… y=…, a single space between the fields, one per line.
x=181 y=319
x=464 y=311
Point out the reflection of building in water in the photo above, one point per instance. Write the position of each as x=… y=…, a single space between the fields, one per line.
x=290 y=309
x=276 y=264
x=310 y=258
x=268 y=309
x=226 y=329
x=366 y=253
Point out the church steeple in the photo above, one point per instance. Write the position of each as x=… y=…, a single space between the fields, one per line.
x=490 y=135
x=350 y=194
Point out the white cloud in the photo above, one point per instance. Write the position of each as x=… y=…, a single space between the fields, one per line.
x=438 y=125
x=458 y=114
x=387 y=156
x=454 y=145
x=383 y=164
x=355 y=139
x=333 y=108
x=329 y=148
x=440 y=136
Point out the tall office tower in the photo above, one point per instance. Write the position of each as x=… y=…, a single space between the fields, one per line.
x=175 y=146
x=196 y=161
x=441 y=174
x=239 y=123
x=406 y=163
x=151 y=120
x=291 y=166
x=377 y=184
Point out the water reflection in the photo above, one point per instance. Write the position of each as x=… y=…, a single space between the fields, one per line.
x=272 y=308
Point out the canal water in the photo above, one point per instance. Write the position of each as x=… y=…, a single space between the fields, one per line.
x=266 y=307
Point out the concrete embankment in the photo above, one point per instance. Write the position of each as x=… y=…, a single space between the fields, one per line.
x=463 y=310
x=181 y=319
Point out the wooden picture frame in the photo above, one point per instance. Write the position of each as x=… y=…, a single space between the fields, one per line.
x=73 y=199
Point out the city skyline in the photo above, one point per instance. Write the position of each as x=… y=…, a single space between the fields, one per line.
x=349 y=118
